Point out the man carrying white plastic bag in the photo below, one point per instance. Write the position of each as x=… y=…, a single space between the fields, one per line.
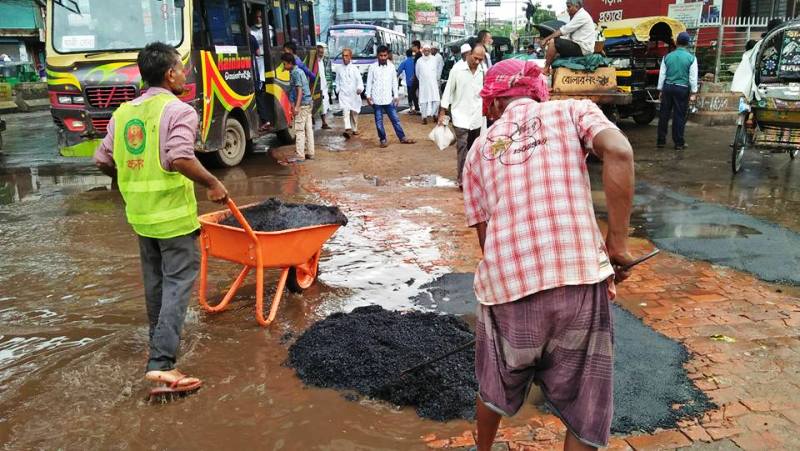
x=462 y=96
x=442 y=136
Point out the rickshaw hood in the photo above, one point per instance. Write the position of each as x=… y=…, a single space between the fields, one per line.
x=640 y=27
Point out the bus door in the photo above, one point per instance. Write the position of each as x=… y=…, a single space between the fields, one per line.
x=260 y=38
x=226 y=67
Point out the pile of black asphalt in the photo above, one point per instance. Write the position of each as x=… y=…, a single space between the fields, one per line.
x=651 y=387
x=366 y=350
x=273 y=215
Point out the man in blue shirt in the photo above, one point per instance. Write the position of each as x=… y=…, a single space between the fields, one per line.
x=291 y=48
x=677 y=82
x=300 y=98
x=407 y=68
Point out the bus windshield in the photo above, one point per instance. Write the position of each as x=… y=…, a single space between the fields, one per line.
x=110 y=25
x=361 y=41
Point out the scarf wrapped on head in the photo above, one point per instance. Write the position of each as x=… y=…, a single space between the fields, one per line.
x=513 y=78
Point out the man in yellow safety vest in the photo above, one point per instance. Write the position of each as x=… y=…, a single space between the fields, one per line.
x=149 y=149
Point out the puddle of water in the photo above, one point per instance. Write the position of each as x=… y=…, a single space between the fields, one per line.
x=429 y=181
x=707 y=231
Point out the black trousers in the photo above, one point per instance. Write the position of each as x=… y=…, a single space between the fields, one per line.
x=674 y=103
x=413 y=89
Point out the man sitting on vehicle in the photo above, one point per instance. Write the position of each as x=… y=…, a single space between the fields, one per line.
x=579 y=36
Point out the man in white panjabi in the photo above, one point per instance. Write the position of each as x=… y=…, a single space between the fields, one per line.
x=427 y=75
x=349 y=86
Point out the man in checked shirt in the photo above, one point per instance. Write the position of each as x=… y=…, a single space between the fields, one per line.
x=547 y=272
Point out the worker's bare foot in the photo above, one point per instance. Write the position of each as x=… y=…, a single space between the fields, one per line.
x=172 y=378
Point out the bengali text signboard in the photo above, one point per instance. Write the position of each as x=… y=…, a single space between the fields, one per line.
x=688 y=13
x=426 y=17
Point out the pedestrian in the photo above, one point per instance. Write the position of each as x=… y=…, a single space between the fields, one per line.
x=349 y=86
x=677 y=84
x=382 y=95
x=439 y=61
x=580 y=34
x=291 y=48
x=426 y=69
x=406 y=70
x=462 y=97
x=257 y=51
x=149 y=151
x=413 y=96
x=300 y=98
x=323 y=85
x=547 y=272
x=485 y=38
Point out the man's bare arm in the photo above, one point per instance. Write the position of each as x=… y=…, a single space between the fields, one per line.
x=194 y=171
x=618 y=179
x=481 y=229
x=107 y=169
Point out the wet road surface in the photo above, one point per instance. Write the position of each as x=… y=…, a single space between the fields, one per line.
x=72 y=323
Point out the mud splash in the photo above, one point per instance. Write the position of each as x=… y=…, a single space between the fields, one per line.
x=367 y=349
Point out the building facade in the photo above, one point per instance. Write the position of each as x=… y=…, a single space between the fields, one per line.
x=21 y=32
x=392 y=14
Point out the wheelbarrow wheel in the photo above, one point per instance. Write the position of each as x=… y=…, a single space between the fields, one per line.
x=737 y=149
x=301 y=277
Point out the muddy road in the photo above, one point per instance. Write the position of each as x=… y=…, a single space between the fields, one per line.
x=72 y=319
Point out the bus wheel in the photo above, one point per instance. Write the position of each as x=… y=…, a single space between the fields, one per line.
x=645 y=115
x=286 y=136
x=234 y=144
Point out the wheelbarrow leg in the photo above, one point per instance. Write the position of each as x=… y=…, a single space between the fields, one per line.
x=276 y=300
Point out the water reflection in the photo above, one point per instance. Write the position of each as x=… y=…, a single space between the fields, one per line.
x=32 y=183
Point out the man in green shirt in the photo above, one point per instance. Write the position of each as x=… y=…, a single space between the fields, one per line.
x=677 y=83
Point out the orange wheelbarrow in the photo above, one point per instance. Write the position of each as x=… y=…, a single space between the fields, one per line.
x=295 y=251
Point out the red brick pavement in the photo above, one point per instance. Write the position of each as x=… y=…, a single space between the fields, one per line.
x=749 y=370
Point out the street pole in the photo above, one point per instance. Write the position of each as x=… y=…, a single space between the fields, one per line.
x=720 y=37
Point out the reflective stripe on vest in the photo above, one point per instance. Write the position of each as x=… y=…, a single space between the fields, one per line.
x=158 y=203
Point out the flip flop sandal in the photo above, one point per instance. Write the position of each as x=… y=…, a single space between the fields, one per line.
x=408 y=141
x=174 y=389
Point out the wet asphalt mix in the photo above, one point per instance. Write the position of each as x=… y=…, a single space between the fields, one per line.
x=365 y=350
x=273 y=215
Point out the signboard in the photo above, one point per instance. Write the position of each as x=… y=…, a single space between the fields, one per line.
x=609 y=16
x=688 y=13
x=492 y=3
x=604 y=79
x=711 y=10
x=789 y=66
x=426 y=17
x=417 y=28
x=457 y=22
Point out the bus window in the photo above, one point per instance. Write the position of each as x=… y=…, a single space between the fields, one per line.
x=199 y=32
x=225 y=22
x=308 y=24
x=276 y=23
x=379 y=5
x=292 y=22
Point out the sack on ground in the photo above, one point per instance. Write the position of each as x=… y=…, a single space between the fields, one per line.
x=442 y=136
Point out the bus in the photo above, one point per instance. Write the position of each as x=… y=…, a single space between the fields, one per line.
x=92 y=47
x=364 y=41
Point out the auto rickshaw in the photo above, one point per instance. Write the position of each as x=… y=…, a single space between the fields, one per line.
x=636 y=48
x=771 y=119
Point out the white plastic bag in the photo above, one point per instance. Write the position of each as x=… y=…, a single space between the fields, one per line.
x=442 y=136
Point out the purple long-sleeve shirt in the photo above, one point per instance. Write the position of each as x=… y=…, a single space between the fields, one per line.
x=176 y=138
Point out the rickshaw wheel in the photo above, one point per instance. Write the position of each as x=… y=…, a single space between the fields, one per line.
x=301 y=277
x=793 y=153
x=737 y=151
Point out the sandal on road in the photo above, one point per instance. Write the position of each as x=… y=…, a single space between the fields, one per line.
x=408 y=141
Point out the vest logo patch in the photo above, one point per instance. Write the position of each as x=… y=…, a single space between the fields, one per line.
x=135 y=136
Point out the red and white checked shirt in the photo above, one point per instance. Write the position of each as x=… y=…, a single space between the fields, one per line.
x=527 y=178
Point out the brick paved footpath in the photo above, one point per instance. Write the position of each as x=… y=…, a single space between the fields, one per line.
x=753 y=379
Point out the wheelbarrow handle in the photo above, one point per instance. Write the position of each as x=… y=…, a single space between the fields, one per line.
x=242 y=221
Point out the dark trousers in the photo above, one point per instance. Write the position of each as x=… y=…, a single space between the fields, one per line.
x=675 y=103
x=391 y=111
x=413 y=98
x=169 y=268
x=464 y=139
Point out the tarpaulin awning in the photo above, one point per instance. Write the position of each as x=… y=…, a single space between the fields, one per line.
x=641 y=27
x=19 y=15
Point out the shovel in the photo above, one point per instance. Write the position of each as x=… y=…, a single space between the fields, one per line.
x=437 y=358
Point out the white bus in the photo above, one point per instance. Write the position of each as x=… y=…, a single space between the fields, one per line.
x=364 y=40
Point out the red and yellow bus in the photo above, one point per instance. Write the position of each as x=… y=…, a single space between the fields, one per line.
x=91 y=65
